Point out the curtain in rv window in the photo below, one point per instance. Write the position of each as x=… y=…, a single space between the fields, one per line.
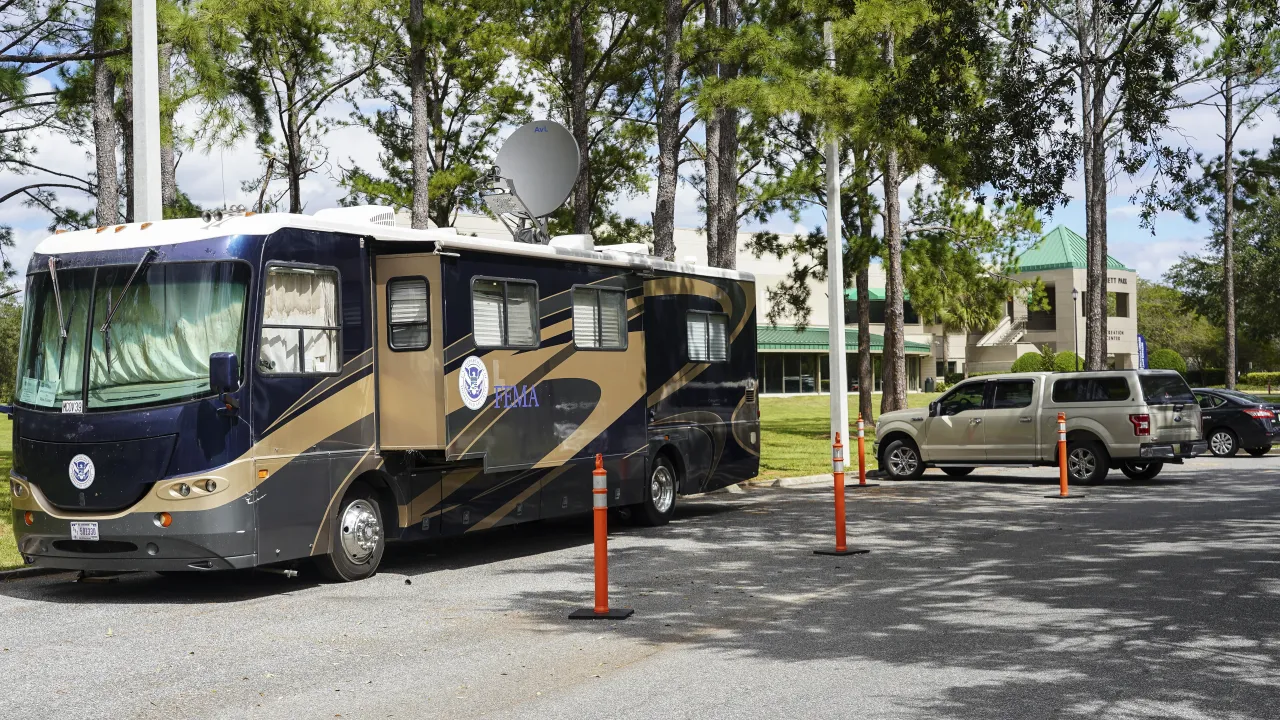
x=707 y=335
x=504 y=313
x=408 y=313
x=599 y=318
x=300 y=322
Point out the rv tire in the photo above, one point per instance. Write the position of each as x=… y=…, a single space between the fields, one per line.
x=659 y=494
x=356 y=538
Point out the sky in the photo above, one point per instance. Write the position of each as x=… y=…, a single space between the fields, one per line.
x=209 y=178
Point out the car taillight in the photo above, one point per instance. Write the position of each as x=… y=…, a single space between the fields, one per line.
x=1141 y=424
x=1260 y=413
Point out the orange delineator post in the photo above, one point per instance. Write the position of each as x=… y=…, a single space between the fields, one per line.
x=837 y=471
x=1062 y=454
x=600 y=512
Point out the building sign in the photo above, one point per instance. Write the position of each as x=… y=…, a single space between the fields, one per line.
x=1113 y=280
x=1142 y=353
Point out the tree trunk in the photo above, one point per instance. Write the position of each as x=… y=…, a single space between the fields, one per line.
x=578 y=119
x=126 y=146
x=1229 y=226
x=664 y=212
x=711 y=163
x=1096 y=274
x=894 y=396
x=168 y=162
x=727 y=245
x=293 y=139
x=420 y=211
x=104 y=140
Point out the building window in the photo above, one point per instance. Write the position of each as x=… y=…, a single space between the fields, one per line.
x=599 y=318
x=940 y=369
x=1118 y=304
x=707 y=336
x=799 y=373
x=1046 y=319
x=504 y=313
x=299 y=322
x=772 y=373
x=408 y=313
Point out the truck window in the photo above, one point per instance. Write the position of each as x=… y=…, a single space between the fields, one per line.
x=1165 y=390
x=504 y=313
x=707 y=336
x=599 y=318
x=964 y=397
x=1013 y=394
x=1082 y=390
x=408 y=313
x=300 y=322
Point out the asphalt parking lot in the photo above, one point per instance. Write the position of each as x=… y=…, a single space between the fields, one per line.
x=980 y=599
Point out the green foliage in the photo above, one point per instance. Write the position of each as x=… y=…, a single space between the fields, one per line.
x=1166 y=359
x=1028 y=362
x=1067 y=361
x=10 y=328
x=1268 y=379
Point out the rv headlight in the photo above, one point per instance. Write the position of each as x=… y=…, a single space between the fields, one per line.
x=18 y=489
x=210 y=485
x=184 y=489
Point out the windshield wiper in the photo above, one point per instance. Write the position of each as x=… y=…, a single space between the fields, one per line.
x=146 y=260
x=57 y=295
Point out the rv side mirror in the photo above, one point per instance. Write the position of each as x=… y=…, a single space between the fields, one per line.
x=224 y=372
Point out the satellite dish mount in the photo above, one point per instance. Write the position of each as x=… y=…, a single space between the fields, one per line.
x=535 y=172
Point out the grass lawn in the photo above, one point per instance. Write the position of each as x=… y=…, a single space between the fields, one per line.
x=8 y=546
x=794 y=434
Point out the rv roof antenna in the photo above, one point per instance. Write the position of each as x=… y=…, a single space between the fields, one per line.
x=535 y=172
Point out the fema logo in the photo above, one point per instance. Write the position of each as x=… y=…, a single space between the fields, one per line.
x=473 y=382
x=81 y=471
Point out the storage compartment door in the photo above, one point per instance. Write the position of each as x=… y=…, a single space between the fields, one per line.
x=409 y=362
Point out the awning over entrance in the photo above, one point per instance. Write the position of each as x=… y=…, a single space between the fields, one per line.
x=873 y=293
x=788 y=337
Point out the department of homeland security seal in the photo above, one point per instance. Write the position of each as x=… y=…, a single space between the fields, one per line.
x=473 y=382
x=81 y=471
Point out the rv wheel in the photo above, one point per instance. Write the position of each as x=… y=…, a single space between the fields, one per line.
x=356 y=539
x=659 y=495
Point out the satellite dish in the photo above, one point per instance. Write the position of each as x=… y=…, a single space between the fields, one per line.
x=534 y=174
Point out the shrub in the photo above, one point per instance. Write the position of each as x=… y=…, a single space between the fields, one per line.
x=1166 y=359
x=1067 y=361
x=1260 y=378
x=1028 y=362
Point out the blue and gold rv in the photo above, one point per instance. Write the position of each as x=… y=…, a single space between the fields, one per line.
x=255 y=390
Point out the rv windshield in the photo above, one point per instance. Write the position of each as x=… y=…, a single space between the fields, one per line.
x=156 y=349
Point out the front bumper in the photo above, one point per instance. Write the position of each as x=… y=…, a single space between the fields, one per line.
x=1173 y=451
x=221 y=538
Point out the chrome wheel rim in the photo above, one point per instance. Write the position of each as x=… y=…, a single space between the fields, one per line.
x=1221 y=443
x=361 y=531
x=903 y=461
x=662 y=489
x=1082 y=463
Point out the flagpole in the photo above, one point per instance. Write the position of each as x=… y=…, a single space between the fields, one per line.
x=147 y=204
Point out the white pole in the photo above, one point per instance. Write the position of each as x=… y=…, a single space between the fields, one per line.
x=835 y=275
x=147 y=205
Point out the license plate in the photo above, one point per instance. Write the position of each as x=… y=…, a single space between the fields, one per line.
x=84 y=531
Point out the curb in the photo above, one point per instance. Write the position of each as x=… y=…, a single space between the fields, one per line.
x=29 y=572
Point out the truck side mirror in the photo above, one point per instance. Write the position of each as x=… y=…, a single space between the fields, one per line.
x=224 y=377
x=933 y=409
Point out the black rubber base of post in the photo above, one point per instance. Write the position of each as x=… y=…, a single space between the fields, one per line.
x=856 y=486
x=850 y=551
x=1060 y=496
x=591 y=614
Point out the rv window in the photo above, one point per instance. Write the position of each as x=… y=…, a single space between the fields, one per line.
x=408 y=313
x=504 y=313
x=707 y=336
x=299 y=322
x=599 y=318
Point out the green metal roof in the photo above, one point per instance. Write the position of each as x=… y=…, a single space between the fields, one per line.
x=788 y=337
x=875 y=293
x=1061 y=249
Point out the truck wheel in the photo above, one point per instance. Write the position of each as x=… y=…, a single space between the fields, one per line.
x=1259 y=451
x=659 y=496
x=957 y=471
x=356 y=541
x=1223 y=443
x=902 y=460
x=1086 y=461
x=1141 y=470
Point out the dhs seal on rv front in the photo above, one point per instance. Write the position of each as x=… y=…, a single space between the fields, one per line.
x=473 y=382
x=81 y=471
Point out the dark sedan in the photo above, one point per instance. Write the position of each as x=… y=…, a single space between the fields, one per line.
x=1233 y=420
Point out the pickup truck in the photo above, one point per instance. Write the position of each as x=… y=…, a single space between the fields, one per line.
x=1133 y=420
